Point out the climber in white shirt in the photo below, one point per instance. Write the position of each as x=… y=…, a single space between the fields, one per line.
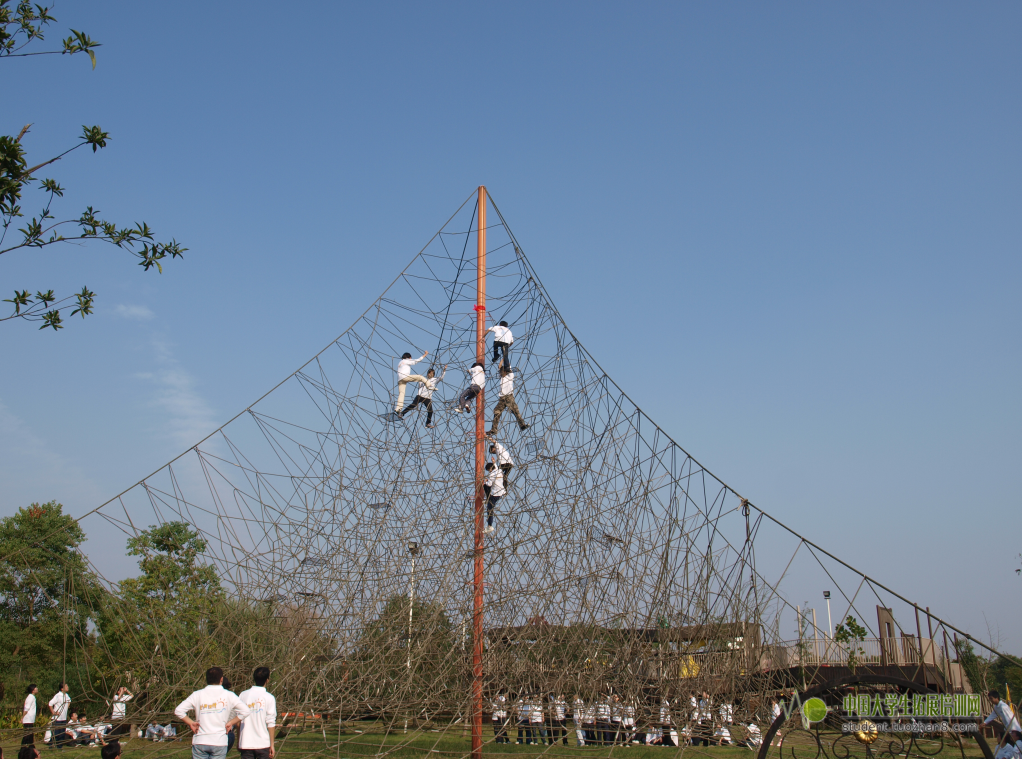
x=502 y=339
x=503 y=460
x=475 y=386
x=494 y=489
x=506 y=401
x=425 y=396
x=404 y=376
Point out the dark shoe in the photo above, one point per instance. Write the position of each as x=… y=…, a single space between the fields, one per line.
x=524 y=427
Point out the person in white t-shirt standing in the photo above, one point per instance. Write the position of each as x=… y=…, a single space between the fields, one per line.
x=119 y=711
x=217 y=711
x=425 y=396
x=494 y=489
x=404 y=376
x=259 y=729
x=476 y=384
x=60 y=704
x=28 y=715
x=502 y=339
x=506 y=401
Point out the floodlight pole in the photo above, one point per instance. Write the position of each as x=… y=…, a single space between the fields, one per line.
x=477 y=613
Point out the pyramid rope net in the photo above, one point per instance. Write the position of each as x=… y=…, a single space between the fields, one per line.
x=619 y=566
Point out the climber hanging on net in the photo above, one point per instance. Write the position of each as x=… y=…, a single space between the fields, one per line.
x=404 y=376
x=503 y=460
x=425 y=396
x=475 y=386
x=494 y=489
x=506 y=401
x=502 y=339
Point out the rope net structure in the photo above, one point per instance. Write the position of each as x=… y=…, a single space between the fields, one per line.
x=622 y=577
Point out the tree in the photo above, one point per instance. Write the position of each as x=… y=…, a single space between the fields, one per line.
x=158 y=622
x=394 y=664
x=851 y=634
x=976 y=667
x=21 y=26
x=1006 y=676
x=47 y=594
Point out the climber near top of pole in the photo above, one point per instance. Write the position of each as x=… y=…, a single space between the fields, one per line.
x=502 y=339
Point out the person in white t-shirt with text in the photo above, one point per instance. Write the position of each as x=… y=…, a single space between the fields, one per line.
x=217 y=711
x=259 y=728
x=59 y=705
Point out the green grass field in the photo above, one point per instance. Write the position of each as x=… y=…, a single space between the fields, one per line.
x=423 y=744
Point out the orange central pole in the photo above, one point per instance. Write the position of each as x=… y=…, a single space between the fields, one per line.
x=477 y=615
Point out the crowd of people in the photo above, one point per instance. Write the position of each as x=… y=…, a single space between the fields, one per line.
x=216 y=716
x=220 y=717
x=610 y=720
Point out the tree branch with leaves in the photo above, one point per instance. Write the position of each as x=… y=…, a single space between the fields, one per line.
x=22 y=25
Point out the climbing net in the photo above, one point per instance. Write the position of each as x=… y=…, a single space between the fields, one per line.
x=342 y=538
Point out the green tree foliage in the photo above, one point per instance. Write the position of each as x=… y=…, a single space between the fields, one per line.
x=851 y=634
x=1004 y=672
x=403 y=664
x=159 y=622
x=47 y=594
x=23 y=25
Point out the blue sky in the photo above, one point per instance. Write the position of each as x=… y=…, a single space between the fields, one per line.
x=790 y=232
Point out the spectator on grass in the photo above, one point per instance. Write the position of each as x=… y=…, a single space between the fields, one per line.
x=217 y=711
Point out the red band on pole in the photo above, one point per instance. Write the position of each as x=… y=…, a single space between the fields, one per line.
x=480 y=308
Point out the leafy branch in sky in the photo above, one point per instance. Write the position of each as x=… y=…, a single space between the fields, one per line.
x=22 y=25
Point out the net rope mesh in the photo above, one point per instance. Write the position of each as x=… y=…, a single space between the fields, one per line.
x=618 y=566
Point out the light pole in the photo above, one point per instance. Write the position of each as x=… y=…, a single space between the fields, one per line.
x=830 y=629
x=413 y=551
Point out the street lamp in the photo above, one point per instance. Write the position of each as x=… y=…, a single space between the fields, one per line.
x=830 y=630
x=413 y=550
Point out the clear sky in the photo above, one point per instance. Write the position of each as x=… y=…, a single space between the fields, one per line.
x=789 y=231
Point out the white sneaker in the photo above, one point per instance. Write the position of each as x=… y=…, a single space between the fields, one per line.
x=489 y=529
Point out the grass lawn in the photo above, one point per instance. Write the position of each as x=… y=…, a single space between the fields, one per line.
x=423 y=744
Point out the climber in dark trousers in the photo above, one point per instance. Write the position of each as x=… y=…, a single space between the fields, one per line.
x=502 y=339
x=425 y=396
x=503 y=460
x=494 y=489
x=476 y=385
